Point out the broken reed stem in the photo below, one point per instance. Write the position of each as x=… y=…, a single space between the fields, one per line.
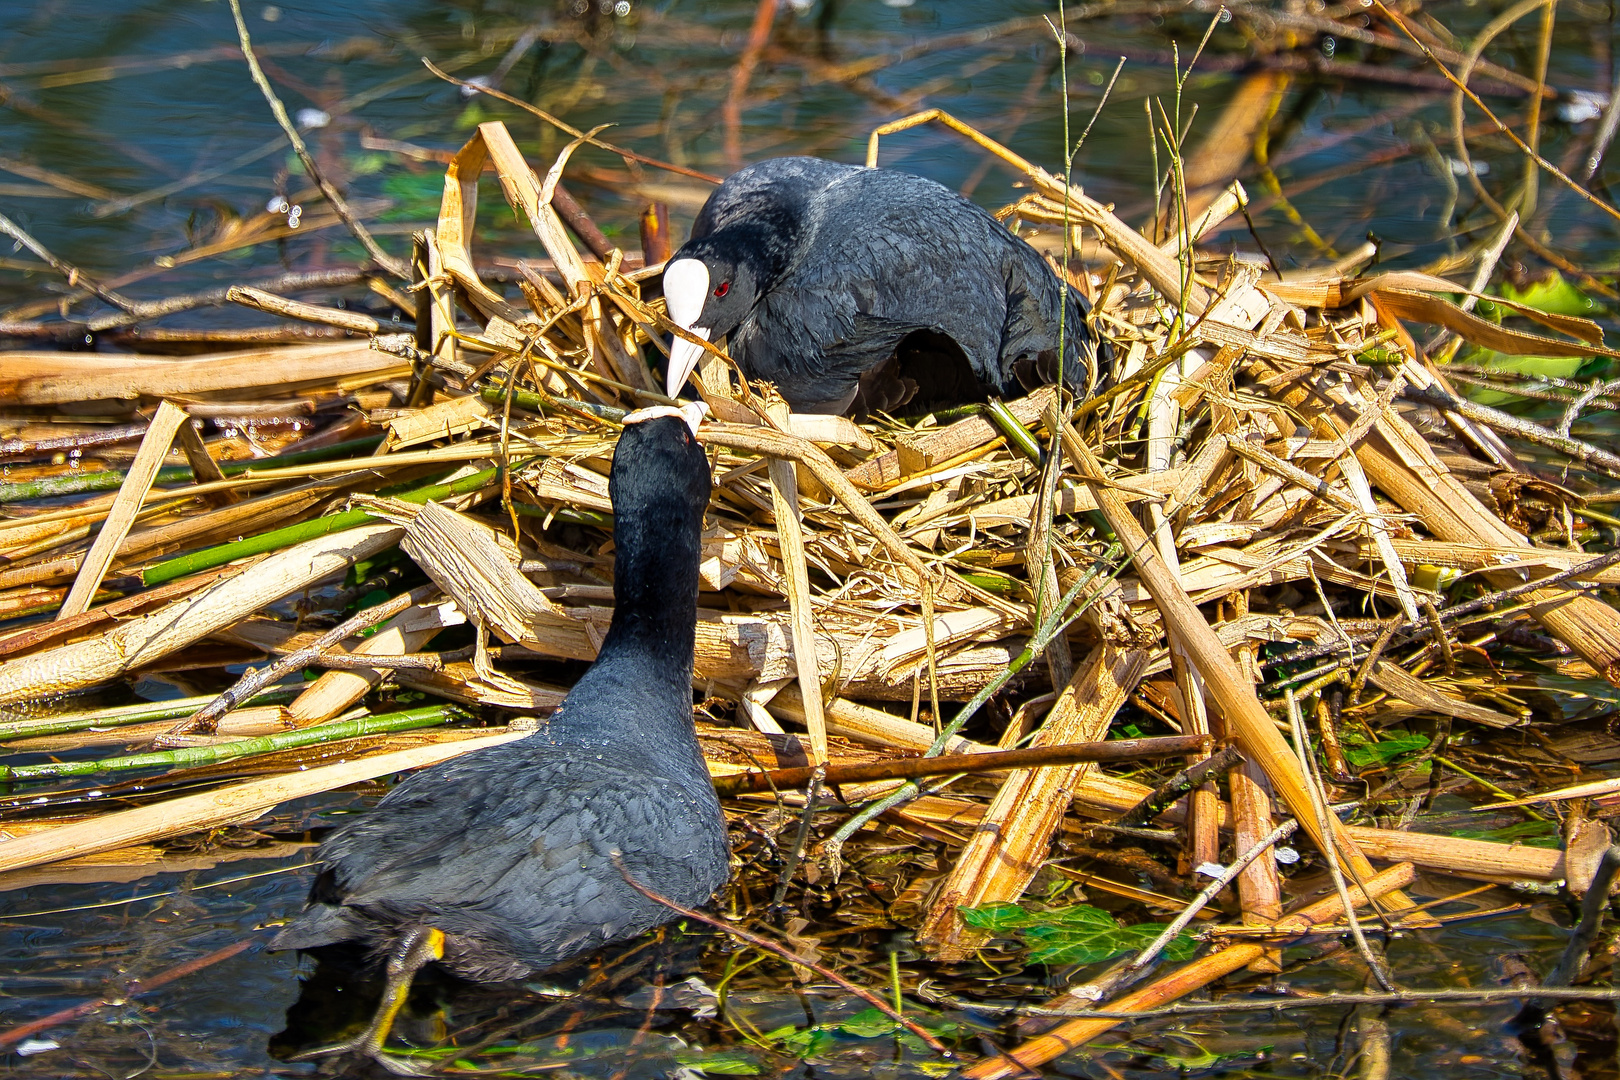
x=233 y=803
x=339 y=206
x=121 y=516
x=945 y=765
x=1415 y=996
x=147 y=638
x=791 y=957
x=120 y=715
x=209 y=558
x=206 y=719
x=82 y=483
x=788 y=447
x=192 y=756
x=796 y=575
x=1246 y=718
x=1302 y=748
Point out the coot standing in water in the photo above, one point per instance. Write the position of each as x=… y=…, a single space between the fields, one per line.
x=855 y=289
x=505 y=862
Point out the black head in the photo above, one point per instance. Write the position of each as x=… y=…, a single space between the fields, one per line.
x=660 y=476
x=710 y=286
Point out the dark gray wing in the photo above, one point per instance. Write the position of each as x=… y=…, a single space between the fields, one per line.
x=523 y=856
x=885 y=254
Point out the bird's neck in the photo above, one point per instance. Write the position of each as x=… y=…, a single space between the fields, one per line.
x=655 y=585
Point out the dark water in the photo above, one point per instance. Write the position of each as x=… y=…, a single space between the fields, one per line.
x=138 y=101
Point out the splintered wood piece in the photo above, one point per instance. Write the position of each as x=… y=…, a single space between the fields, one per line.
x=477 y=567
x=1179 y=983
x=148 y=638
x=442 y=420
x=1013 y=837
x=142 y=471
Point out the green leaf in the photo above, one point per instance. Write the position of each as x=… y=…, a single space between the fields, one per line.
x=995 y=918
x=1553 y=295
x=719 y=1062
x=1079 y=934
x=867 y=1024
x=1363 y=754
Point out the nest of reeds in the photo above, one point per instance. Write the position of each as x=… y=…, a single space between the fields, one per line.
x=1256 y=538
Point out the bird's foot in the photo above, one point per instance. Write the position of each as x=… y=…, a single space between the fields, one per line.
x=363 y=1047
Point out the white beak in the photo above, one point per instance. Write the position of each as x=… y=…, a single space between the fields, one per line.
x=683 y=360
x=686 y=288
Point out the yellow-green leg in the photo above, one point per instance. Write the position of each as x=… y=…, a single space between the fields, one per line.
x=416 y=948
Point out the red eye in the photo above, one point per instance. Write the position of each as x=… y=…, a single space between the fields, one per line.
x=722 y=288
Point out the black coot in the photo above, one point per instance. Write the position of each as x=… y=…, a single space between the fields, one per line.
x=855 y=289
x=502 y=863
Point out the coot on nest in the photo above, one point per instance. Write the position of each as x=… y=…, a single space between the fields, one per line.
x=505 y=862
x=856 y=289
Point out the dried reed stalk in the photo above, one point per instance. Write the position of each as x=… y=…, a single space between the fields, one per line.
x=796 y=576
x=53 y=378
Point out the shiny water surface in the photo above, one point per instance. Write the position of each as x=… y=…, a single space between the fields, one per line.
x=135 y=147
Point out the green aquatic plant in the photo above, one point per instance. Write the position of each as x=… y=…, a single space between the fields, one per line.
x=1078 y=934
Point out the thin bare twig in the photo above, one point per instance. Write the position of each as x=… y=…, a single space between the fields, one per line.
x=75 y=277
x=204 y=719
x=378 y=255
x=791 y=957
x=630 y=155
x=1375 y=963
